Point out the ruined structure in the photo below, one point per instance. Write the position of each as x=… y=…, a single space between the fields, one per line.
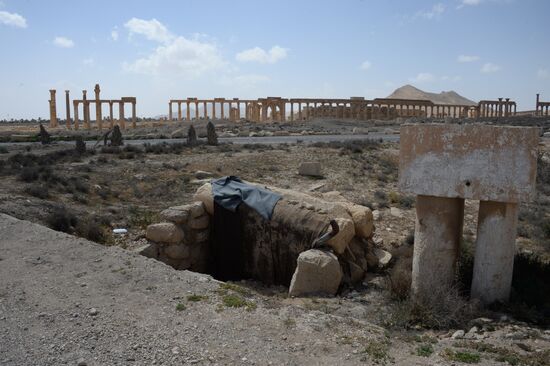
x=281 y=109
x=443 y=164
x=98 y=103
x=542 y=108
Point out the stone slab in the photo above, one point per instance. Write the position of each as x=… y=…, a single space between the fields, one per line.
x=481 y=162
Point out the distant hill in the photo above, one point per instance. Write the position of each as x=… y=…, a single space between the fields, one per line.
x=450 y=97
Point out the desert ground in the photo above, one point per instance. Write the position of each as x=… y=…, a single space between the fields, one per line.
x=66 y=300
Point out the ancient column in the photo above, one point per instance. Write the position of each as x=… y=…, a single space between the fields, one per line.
x=299 y=111
x=169 y=111
x=53 y=109
x=134 y=115
x=307 y=111
x=187 y=112
x=75 y=109
x=438 y=231
x=495 y=249
x=291 y=112
x=205 y=111
x=499 y=107
x=196 y=110
x=98 y=117
x=222 y=110
x=112 y=120
x=68 y=110
x=180 y=117
x=507 y=107
x=86 y=110
x=537 y=105
x=121 y=119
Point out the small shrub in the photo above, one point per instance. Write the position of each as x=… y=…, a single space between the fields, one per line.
x=196 y=298
x=38 y=191
x=424 y=350
x=29 y=174
x=62 y=220
x=460 y=356
x=378 y=351
x=236 y=301
x=180 y=307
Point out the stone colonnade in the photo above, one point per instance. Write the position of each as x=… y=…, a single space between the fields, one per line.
x=444 y=164
x=98 y=103
x=542 y=108
x=503 y=107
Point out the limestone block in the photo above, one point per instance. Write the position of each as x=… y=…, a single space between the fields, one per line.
x=362 y=219
x=312 y=169
x=347 y=231
x=378 y=258
x=177 y=251
x=175 y=215
x=200 y=174
x=481 y=162
x=317 y=272
x=196 y=209
x=164 y=232
x=204 y=194
x=199 y=223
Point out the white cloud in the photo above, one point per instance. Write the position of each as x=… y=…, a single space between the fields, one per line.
x=63 y=42
x=470 y=2
x=465 y=58
x=434 y=13
x=262 y=56
x=151 y=29
x=543 y=74
x=490 y=68
x=366 y=65
x=88 y=62
x=12 y=19
x=114 y=35
x=423 y=77
x=180 y=57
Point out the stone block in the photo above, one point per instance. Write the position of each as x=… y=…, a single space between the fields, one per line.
x=204 y=194
x=317 y=272
x=487 y=163
x=199 y=223
x=177 y=215
x=347 y=231
x=362 y=220
x=164 y=232
x=312 y=169
x=177 y=251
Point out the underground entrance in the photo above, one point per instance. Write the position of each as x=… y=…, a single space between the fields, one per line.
x=206 y=237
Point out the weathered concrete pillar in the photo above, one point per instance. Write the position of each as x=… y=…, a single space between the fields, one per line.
x=438 y=231
x=495 y=249
x=67 y=110
x=53 y=109
x=98 y=116
x=134 y=119
x=75 y=109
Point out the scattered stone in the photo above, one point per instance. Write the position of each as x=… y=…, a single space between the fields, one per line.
x=178 y=134
x=148 y=250
x=93 y=312
x=191 y=136
x=80 y=145
x=317 y=272
x=378 y=258
x=363 y=220
x=175 y=215
x=376 y=215
x=396 y=212
x=177 y=251
x=211 y=136
x=44 y=136
x=199 y=223
x=116 y=137
x=81 y=362
x=164 y=232
x=204 y=194
x=200 y=174
x=347 y=231
x=458 y=334
x=311 y=169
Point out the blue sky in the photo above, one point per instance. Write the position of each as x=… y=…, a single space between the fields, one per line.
x=158 y=50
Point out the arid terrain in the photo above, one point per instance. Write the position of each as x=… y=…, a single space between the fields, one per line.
x=48 y=290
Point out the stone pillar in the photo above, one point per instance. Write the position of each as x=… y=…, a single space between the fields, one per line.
x=222 y=110
x=121 y=119
x=169 y=112
x=98 y=116
x=111 y=118
x=299 y=111
x=507 y=107
x=75 y=109
x=197 y=111
x=67 y=110
x=134 y=119
x=53 y=109
x=205 y=110
x=495 y=249
x=187 y=112
x=438 y=231
x=499 y=107
x=86 y=110
x=213 y=110
x=537 y=105
x=238 y=111
x=307 y=111
x=180 y=117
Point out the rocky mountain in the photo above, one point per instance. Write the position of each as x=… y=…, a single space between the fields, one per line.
x=450 y=97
